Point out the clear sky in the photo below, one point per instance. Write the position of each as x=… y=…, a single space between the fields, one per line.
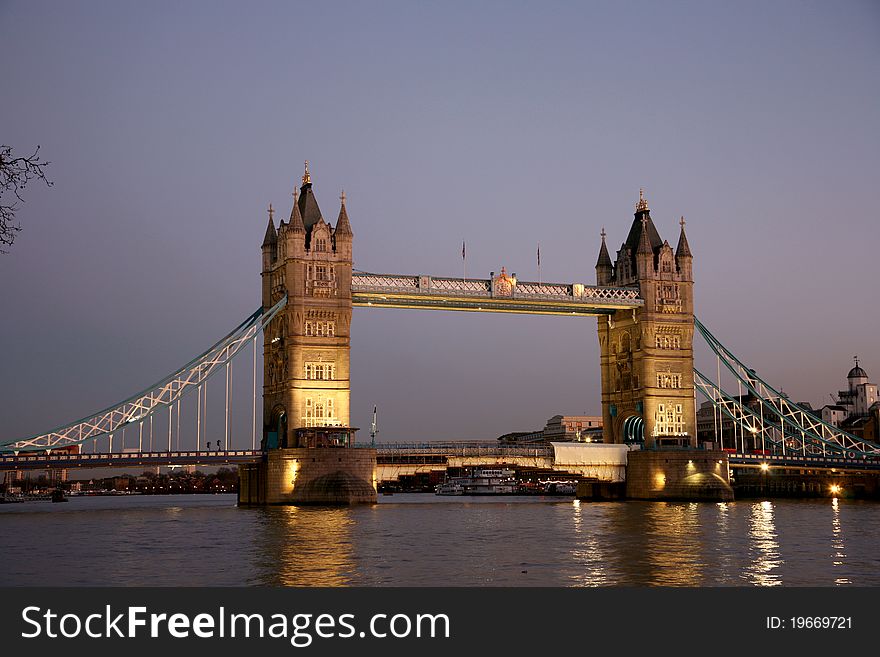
x=171 y=126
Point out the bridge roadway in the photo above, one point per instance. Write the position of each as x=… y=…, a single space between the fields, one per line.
x=406 y=459
x=400 y=459
x=499 y=294
x=777 y=461
x=393 y=459
x=63 y=461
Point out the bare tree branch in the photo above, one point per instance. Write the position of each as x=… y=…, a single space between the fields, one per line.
x=15 y=174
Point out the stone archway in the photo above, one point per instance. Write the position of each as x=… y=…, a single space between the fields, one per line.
x=632 y=429
x=276 y=429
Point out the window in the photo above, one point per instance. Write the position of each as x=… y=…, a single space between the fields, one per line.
x=668 y=380
x=320 y=413
x=667 y=341
x=668 y=298
x=321 y=329
x=319 y=371
x=668 y=420
x=320 y=244
x=309 y=420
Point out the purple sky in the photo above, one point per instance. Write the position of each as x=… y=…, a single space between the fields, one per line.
x=171 y=126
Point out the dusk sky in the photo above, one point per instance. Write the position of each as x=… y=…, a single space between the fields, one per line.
x=172 y=126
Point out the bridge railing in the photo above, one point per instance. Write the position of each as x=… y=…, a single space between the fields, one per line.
x=459 y=449
x=482 y=288
x=10 y=461
x=800 y=461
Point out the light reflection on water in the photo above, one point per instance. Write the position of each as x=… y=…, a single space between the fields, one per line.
x=587 y=552
x=424 y=540
x=764 y=556
x=838 y=555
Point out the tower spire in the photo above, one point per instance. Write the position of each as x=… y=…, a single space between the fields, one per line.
x=644 y=240
x=296 y=222
x=642 y=205
x=343 y=227
x=307 y=177
x=683 y=249
x=271 y=237
x=604 y=259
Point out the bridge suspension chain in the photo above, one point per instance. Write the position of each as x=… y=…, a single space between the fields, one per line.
x=161 y=395
x=777 y=421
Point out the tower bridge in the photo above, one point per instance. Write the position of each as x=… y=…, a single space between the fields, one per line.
x=302 y=438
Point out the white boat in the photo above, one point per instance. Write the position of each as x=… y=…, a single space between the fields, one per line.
x=482 y=481
x=451 y=487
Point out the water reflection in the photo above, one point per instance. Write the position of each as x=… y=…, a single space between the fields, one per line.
x=425 y=540
x=764 y=555
x=591 y=564
x=837 y=545
x=722 y=537
x=304 y=546
x=674 y=547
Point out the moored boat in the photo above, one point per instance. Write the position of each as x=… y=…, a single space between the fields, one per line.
x=482 y=481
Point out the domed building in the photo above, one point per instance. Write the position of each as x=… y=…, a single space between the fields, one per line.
x=858 y=407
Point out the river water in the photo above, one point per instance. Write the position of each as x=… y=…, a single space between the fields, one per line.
x=425 y=540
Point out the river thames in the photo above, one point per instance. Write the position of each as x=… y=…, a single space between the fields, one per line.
x=424 y=540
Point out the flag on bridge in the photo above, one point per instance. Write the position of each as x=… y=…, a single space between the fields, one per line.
x=539 y=262
x=463 y=262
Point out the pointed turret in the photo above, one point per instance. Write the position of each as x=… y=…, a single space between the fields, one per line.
x=270 y=245
x=343 y=227
x=644 y=247
x=271 y=238
x=296 y=220
x=683 y=257
x=308 y=205
x=683 y=249
x=604 y=267
x=642 y=220
x=644 y=253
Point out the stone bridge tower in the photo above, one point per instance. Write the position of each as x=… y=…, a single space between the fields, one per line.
x=306 y=378
x=647 y=354
x=306 y=387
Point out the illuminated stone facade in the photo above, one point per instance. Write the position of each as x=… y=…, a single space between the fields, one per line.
x=647 y=353
x=306 y=347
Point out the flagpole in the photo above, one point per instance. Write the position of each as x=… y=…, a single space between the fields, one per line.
x=463 y=262
x=539 y=263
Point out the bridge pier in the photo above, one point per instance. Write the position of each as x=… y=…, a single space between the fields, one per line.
x=306 y=475
x=678 y=474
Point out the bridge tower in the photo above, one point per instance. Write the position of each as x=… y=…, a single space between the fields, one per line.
x=647 y=353
x=306 y=349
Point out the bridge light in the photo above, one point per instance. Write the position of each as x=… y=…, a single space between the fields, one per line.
x=835 y=489
x=764 y=467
